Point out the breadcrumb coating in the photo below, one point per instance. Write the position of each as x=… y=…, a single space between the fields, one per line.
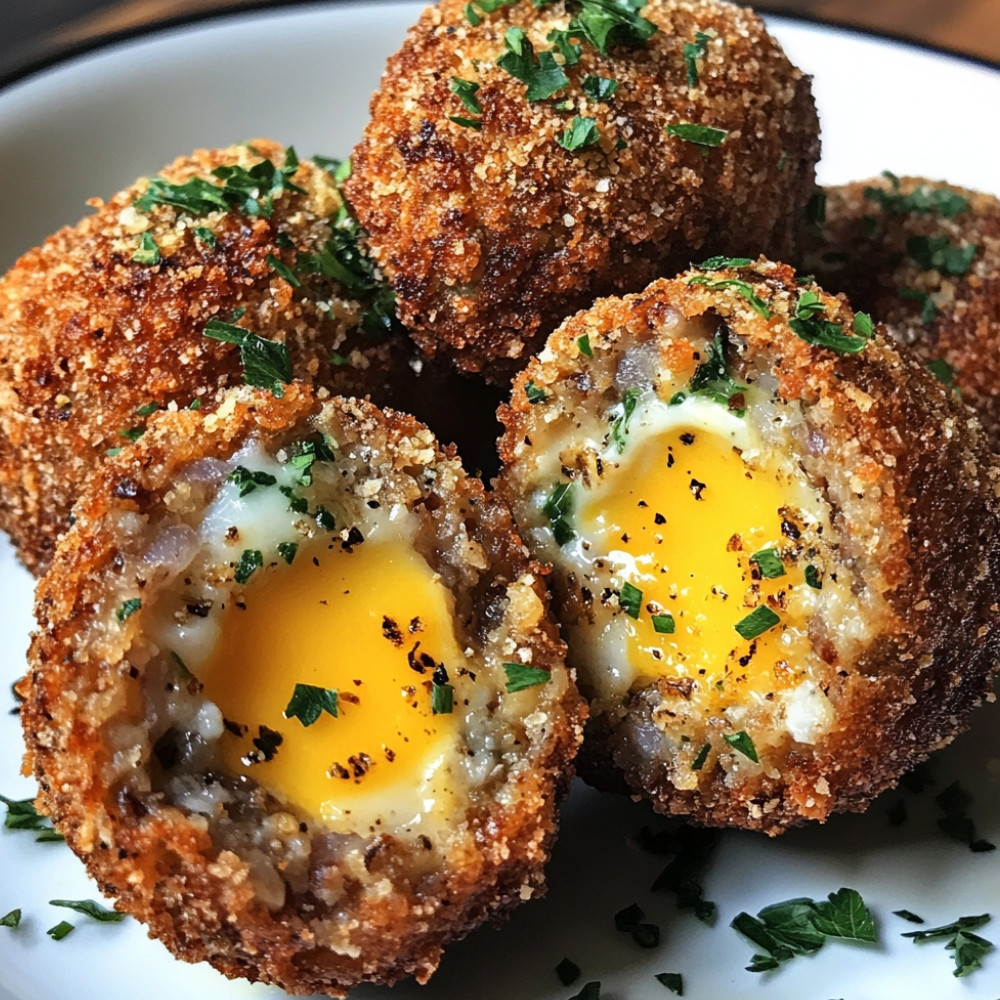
x=885 y=592
x=220 y=868
x=924 y=257
x=491 y=231
x=104 y=323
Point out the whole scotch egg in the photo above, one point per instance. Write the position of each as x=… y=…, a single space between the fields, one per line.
x=774 y=540
x=295 y=698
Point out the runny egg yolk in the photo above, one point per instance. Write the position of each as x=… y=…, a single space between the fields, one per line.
x=371 y=623
x=680 y=521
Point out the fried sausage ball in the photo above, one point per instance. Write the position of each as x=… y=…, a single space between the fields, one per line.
x=519 y=163
x=776 y=543
x=924 y=258
x=106 y=322
x=295 y=698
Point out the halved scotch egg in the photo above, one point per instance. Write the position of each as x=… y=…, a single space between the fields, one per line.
x=296 y=698
x=774 y=541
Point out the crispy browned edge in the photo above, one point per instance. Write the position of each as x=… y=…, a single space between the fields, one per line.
x=491 y=237
x=868 y=261
x=87 y=336
x=912 y=691
x=158 y=869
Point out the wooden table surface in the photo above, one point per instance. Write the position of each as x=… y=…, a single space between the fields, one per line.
x=968 y=26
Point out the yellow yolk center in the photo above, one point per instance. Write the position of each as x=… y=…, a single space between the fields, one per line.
x=680 y=520
x=370 y=624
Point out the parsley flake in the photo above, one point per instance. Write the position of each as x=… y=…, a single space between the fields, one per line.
x=718 y=263
x=248 y=479
x=92 y=909
x=568 y=972
x=148 y=252
x=604 y=23
x=809 y=325
x=693 y=849
x=590 y=991
x=542 y=74
x=250 y=561
x=759 y=621
x=579 y=134
x=622 y=416
x=742 y=742
x=466 y=91
x=266 y=363
x=673 y=982
x=769 y=563
x=969 y=949
x=699 y=762
x=712 y=378
x=557 y=508
x=699 y=135
x=473 y=123
x=664 y=623
x=128 y=608
x=12 y=919
x=928 y=308
x=61 y=930
x=22 y=815
x=534 y=394
x=583 y=343
x=309 y=702
x=442 y=699
x=922 y=200
x=287 y=551
x=743 y=288
x=599 y=88
x=693 y=51
x=938 y=253
x=813 y=578
x=521 y=676
x=630 y=600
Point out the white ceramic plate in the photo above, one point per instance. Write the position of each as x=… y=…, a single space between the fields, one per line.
x=89 y=127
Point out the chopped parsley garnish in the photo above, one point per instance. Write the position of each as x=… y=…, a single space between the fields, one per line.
x=590 y=991
x=248 y=479
x=604 y=23
x=534 y=394
x=684 y=875
x=664 y=623
x=769 y=563
x=296 y=503
x=630 y=600
x=61 y=930
x=623 y=414
x=759 y=621
x=22 y=815
x=599 y=88
x=673 y=982
x=568 y=972
x=281 y=269
x=809 y=325
x=922 y=200
x=718 y=263
x=813 y=578
x=944 y=372
x=693 y=51
x=287 y=551
x=938 y=253
x=304 y=453
x=250 y=561
x=206 y=236
x=699 y=762
x=473 y=123
x=956 y=822
x=249 y=190
x=583 y=343
x=700 y=135
x=325 y=518
x=147 y=410
x=742 y=743
x=148 y=252
x=92 y=909
x=266 y=363
x=541 y=73
x=309 y=702
x=816 y=208
x=744 y=288
x=969 y=949
x=12 y=919
x=466 y=91
x=909 y=916
x=442 y=699
x=132 y=433
x=928 y=308
x=485 y=7
x=630 y=921
x=557 y=508
x=712 y=378
x=579 y=134
x=802 y=926
x=128 y=608
x=521 y=676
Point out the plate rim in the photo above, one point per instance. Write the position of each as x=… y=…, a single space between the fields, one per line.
x=48 y=53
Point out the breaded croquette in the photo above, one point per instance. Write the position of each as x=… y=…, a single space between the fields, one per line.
x=295 y=697
x=152 y=302
x=523 y=160
x=776 y=542
x=924 y=257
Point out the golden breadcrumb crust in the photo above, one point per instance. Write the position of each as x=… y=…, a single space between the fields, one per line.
x=394 y=912
x=491 y=235
x=912 y=491
x=91 y=339
x=924 y=257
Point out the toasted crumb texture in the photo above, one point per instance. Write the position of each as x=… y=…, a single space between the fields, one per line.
x=491 y=231
x=924 y=257
x=876 y=592
x=104 y=322
x=125 y=742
